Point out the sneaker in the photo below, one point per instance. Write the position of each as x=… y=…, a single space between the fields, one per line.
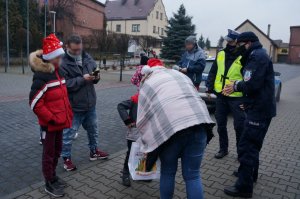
x=98 y=155
x=60 y=182
x=54 y=190
x=75 y=136
x=41 y=143
x=68 y=165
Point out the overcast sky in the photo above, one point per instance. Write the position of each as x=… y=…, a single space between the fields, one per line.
x=214 y=17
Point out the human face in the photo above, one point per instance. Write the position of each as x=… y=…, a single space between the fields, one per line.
x=232 y=43
x=75 y=49
x=56 y=61
x=189 y=46
x=244 y=44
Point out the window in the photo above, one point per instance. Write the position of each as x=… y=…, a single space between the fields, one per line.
x=154 y=29
x=157 y=14
x=158 y=30
x=162 y=31
x=161 y=16
x=136 y=28
x=118 y=28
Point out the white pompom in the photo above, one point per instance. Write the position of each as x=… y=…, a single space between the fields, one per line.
x=61 y=43
x=146 y=70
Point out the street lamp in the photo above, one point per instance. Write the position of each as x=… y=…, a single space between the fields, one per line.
x=54 y=20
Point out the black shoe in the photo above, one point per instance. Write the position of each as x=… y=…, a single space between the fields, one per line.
x=126 y=177
x=236 y=174
x=60 y=182
x=54 y=190
x=234 y=192
x=221 y=154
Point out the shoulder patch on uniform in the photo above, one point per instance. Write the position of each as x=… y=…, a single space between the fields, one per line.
x=247 y=75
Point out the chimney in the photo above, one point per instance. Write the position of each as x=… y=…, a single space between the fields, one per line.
x=269 y=30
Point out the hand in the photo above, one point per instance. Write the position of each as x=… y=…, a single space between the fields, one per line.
x=229 y=89
x=208 y=96
x=183 y=70
x=88 y=77
x=242 y=107
x=131 y=125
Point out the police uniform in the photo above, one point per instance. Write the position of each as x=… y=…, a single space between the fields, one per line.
x=226 y=68
x=259 y=92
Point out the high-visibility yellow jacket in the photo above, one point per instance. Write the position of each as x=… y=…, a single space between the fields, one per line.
x=233 y=74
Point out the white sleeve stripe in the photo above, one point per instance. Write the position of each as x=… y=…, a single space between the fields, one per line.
x=41 y=93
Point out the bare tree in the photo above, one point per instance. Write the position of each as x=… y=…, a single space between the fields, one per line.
x=146 y=42
x=64 y=9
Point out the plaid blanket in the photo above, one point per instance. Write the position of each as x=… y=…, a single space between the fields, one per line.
x=168 y=103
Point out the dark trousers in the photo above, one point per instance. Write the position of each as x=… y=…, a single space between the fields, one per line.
x=52 y=146
x=249 y=147
x=151 y=158
x=125 y=168
x=224 y=106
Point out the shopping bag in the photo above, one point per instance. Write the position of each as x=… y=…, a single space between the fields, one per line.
x=137 y=165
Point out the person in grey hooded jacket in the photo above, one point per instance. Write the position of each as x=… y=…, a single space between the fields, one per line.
x=193 y=61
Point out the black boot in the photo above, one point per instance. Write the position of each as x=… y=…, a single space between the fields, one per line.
x=221 y=154
x=54 y=190
x=126 y=177
x=60 y=182
x=234 y=192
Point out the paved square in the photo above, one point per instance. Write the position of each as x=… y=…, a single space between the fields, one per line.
x=20 y=172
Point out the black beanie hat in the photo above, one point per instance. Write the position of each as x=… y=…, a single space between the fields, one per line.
x=247 y=36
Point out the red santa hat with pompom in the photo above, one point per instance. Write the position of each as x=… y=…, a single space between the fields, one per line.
x=153 y=64
x=52 y=47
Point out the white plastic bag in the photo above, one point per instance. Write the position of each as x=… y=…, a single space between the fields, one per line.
x=137 y=165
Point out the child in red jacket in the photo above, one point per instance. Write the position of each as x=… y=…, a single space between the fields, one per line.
x=49 y=101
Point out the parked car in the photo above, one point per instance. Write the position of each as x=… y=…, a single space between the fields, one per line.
x=211 y=102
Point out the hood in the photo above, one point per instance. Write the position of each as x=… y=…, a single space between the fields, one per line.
x=38 y=64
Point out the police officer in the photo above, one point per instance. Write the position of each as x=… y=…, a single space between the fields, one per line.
x=225 y=69
x=258 y=88
x=193 y=61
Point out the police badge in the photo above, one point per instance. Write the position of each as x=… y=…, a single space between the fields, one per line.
x=247 y=75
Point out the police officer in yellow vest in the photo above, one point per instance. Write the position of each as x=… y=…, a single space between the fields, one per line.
x=226 y=68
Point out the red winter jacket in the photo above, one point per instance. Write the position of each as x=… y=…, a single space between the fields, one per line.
x=48 y=96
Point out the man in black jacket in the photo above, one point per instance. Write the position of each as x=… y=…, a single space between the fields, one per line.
x=226 y=68
x=78 y=67
x=258 y=89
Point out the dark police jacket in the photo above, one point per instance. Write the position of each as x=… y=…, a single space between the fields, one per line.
x=258 y=85
x=82 y=94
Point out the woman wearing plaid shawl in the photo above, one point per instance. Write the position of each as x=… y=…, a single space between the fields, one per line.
x=173 y=118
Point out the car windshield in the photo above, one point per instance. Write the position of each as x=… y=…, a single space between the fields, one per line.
x=208 y=66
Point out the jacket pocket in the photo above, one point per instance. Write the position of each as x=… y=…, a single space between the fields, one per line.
x=60 y=116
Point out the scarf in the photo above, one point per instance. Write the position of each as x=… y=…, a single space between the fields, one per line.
x=168 y=103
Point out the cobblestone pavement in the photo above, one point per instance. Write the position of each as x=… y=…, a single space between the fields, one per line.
x=279 y=175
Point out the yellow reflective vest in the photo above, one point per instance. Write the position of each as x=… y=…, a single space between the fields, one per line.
x=234 y=74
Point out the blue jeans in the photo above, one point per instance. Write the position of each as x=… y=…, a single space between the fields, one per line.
x=189 y=145
x=88 y=120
